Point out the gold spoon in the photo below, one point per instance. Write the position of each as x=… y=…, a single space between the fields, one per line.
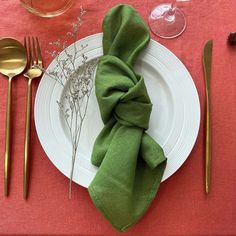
x=13 y=60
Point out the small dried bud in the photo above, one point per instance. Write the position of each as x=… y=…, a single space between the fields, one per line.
x=232 y=38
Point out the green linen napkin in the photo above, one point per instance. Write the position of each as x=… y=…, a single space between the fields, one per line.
x=131 y=164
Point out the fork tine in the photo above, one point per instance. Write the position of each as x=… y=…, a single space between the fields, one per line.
x=30 y=53
x=25 y=45
x=34 y=52
x=40 y=60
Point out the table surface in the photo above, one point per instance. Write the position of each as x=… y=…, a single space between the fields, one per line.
x=181 y=206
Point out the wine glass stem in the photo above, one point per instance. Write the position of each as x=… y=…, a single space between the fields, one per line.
x=173 y=4
x=170 y=15
x=172 y=8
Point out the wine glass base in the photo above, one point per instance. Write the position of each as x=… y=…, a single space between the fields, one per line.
x=165 y=25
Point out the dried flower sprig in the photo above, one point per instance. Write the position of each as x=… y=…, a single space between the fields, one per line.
x=77 y=82
x=74 y=103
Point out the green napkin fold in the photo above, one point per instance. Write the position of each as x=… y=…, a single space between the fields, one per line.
x=131 y=164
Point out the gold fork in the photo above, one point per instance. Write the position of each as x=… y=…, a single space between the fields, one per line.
x=32 y=71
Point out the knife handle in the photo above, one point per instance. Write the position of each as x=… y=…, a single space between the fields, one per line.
x=208 y=144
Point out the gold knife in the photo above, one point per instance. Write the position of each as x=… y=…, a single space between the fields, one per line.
x=207 y=58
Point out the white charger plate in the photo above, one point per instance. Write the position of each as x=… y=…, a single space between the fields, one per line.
x=174 y=121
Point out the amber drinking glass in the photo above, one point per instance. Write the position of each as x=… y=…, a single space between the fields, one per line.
x=47 y=8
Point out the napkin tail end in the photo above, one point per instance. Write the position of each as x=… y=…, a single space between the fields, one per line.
x=100 y=206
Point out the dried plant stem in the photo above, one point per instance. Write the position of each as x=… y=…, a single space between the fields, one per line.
x=77 y=84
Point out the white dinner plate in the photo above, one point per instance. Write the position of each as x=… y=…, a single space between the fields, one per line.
x=174 y=121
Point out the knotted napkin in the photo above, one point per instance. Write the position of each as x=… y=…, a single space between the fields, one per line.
x=131 y=164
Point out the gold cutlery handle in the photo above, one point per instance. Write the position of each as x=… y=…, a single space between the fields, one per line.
x=208 y=144
x=27 y=140
x=8 y=140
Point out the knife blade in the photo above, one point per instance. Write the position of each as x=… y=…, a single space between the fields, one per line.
x=207 y=61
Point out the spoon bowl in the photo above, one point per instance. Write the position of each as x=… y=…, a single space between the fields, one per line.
x=12 y=57
x=13 y=60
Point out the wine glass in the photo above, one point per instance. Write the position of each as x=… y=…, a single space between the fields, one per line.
x=167 y=20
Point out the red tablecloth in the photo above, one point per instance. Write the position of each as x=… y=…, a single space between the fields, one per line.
x=181 y=206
